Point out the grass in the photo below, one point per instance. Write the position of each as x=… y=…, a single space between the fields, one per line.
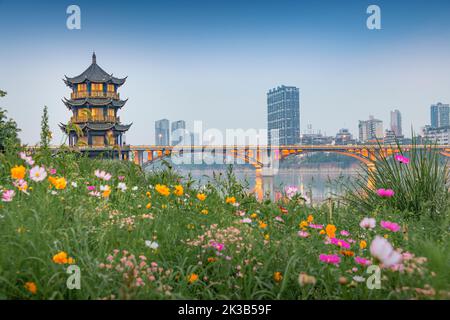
x=37 y=225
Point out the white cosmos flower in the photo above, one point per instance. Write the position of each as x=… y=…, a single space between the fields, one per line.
x=381 y=249
x=122 y=186
x=151 y=244
x=37 y=173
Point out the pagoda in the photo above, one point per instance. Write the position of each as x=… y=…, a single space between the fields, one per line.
x=94 y=126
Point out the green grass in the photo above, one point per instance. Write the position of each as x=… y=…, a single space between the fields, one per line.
x=36 y=226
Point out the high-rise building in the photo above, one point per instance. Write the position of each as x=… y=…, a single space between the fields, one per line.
x=178 y=130
x=396 y=122
x=283 y=115
x=370 y=130
x=162 y=134
x=440 y=115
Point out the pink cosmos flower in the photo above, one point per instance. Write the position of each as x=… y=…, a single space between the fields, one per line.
x=28 y=159
x=8 y=195
x=402 y=159
x=368 y=223
x=22 y=185
x=362 y=261
x=102 y=175
x=278 y=218
x=339 y=242
x=381 y=249
x=391 y=226
x=316 y=226
x=330 y=258
x=218 y=246
x=385 y=193
x=246 y=220
x=291 y=191
x=344 y=233
x=95 y=194
x=52 y=171
x=303 y=234
x=38 y=174
x=121 y=178
x=91 y=188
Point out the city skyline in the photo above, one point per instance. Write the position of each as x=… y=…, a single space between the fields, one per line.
x=221 y=67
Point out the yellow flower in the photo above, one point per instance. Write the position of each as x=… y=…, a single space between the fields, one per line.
x=164 y=206
x=148 y=194
x=231 y=200
x=178 y=190
x=193 y=277
x=58 y=183
x=21 y=230
x=267 y=237
x=190 y=226
x=60 y=258
x=262 y=224
x=331 y=231
x=149 y=205
x=310 y=218
x=303 y=224
x=386 y=236
x=277 y=276
x=253 y=215
x=201 y=196
x=204 y=211
x=70 y=260
x=362 y=244
x=31 y=287
x=322 y=231
x=18 y=172
x=162 y=189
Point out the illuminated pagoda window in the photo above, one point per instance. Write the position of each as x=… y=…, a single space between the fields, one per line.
x=94 y=104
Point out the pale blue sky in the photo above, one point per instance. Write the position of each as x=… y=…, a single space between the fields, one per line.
x=215 y=60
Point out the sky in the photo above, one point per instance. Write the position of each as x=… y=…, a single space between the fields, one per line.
x=215 y=60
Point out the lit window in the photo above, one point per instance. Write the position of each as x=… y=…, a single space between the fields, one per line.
x=97 y=86
x=82 y=87
x=110 y=88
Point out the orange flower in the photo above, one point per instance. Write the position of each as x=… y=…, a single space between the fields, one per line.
x=331 y=231
x=178 y=190
x=204 y=211
x=362 y=244
x=193 y=277
x=277 y=276
x=310 y=218
x=262 y=225
x=149 y=205
x=347 y=253
x=201 y=196
x=253 y=215
x=31 y=287
x=162 y=189
x=231 y=200
x=148 y=194
x=60 y=258
x=322 y=231
x=58 y=183
x=211 y=259
x=106 y=192
x=18 y=172
x=303 y=224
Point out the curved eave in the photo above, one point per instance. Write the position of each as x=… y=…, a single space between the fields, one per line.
x=94 y=102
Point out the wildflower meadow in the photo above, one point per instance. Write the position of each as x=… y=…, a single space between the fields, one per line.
x=78 y=228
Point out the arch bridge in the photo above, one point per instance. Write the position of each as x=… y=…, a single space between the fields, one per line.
x=262 y=156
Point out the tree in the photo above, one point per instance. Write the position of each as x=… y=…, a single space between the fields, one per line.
x=8 y=130
x=46 y=134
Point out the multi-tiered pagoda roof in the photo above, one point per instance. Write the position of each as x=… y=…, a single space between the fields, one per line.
x=95 y=102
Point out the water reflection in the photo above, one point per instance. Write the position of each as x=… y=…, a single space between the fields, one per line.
x=315 y=185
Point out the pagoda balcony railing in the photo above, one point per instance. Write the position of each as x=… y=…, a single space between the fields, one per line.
x=94 y=94
x=76 y=119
